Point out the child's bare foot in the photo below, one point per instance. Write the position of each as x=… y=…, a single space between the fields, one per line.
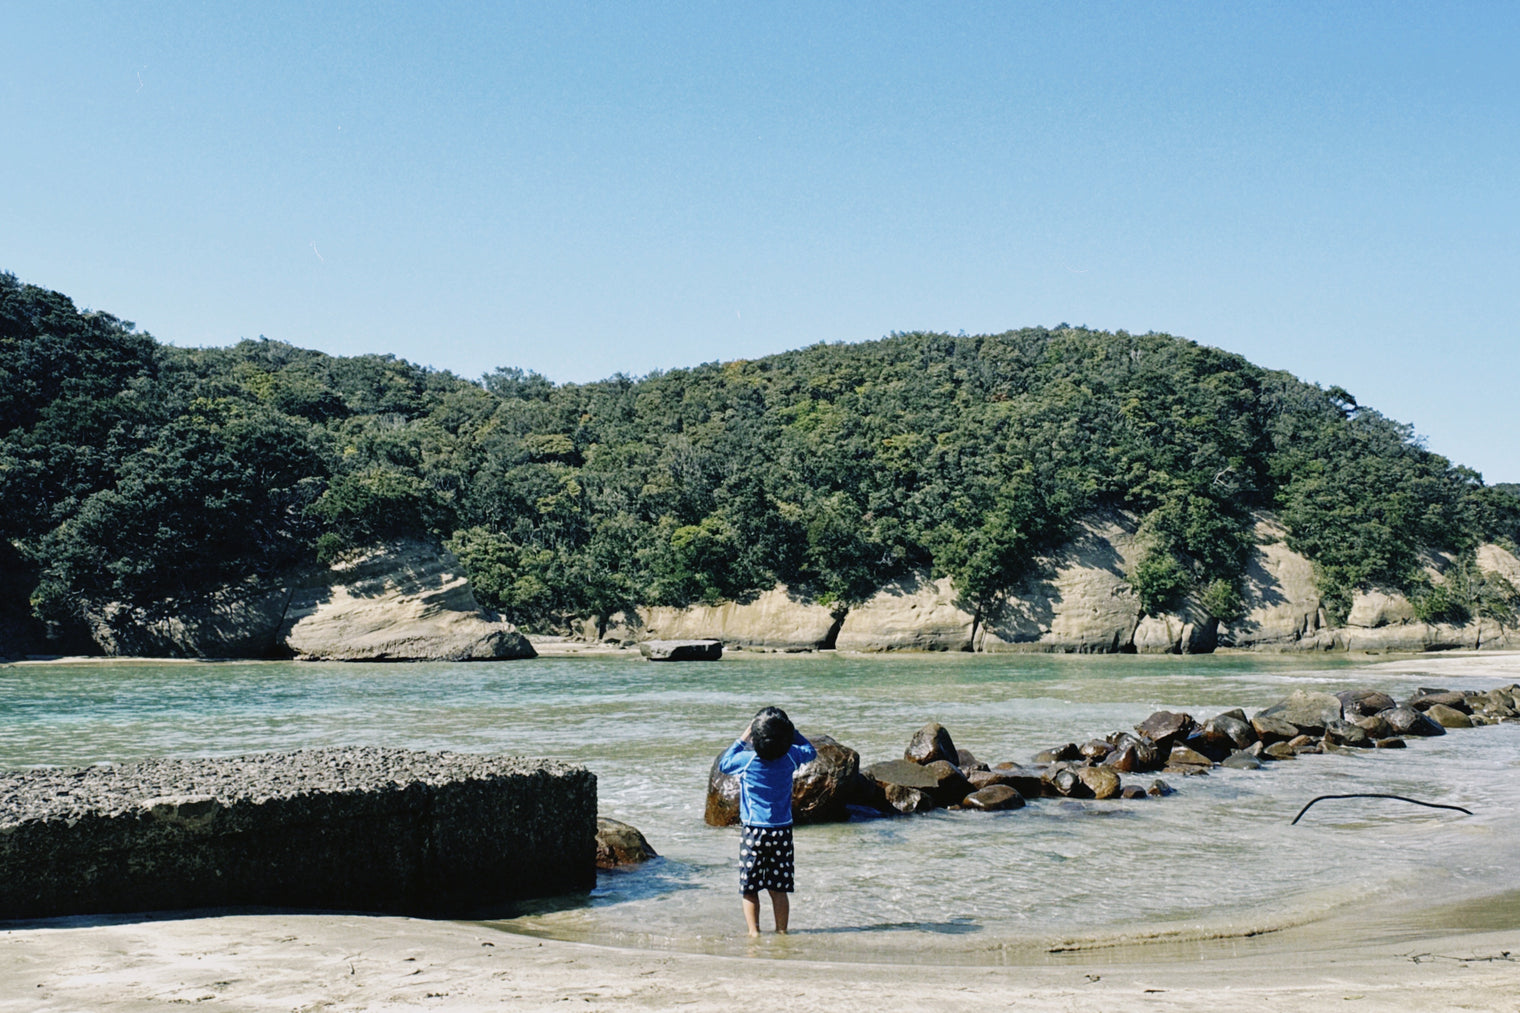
x=754 y=933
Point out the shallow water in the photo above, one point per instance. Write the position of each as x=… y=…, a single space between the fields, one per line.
x=1217 y=859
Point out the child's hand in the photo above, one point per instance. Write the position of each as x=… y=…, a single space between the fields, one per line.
x=748 y=730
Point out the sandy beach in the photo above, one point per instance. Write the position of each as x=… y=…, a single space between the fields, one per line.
x=349 y=962
x=1399 y=957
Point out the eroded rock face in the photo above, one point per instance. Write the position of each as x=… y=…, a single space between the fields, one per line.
x=911 y=614
x=773 y=621
x=404 y=602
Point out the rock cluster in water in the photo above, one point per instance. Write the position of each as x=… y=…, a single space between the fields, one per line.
x=934 y=773
x=352 y=829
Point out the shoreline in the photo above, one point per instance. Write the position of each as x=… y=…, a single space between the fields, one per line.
x=282 y=961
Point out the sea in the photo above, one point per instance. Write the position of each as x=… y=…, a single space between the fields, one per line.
x=1220 y=859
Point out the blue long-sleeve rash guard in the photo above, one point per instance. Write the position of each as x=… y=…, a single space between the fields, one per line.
x=765 y=787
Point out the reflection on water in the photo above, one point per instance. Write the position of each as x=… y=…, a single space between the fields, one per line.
x=1217 y=859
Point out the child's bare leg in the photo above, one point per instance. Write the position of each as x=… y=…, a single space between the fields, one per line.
x=752 y=912
x=781 y=904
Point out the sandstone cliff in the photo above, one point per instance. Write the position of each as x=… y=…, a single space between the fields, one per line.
x=406 y=601
x=1079 y=600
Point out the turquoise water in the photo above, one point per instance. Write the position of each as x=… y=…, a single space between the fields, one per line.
x=1219 y=858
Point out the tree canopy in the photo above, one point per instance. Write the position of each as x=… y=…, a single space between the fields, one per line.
x=131 y=469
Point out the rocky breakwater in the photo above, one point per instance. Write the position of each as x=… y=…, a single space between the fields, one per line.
x=336 y=829
x=935 y=773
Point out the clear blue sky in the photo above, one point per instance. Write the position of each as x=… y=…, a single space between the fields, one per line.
x=582 y=189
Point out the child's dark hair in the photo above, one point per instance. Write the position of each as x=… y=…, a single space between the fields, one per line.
x=771 y=733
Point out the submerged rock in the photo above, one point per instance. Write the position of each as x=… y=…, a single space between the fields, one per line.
x=993 y=798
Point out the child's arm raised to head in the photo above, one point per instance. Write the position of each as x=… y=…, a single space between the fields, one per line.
x=802 y=750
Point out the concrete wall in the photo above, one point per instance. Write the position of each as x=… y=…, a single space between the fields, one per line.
x=343 y=829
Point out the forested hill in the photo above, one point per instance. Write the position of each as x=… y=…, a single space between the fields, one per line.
x=131 y=470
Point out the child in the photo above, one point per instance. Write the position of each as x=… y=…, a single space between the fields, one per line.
x=764 y=759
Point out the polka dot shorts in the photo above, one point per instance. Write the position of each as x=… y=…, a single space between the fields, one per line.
x=765 y=859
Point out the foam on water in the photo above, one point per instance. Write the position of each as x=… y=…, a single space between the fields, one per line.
x=1217 y=860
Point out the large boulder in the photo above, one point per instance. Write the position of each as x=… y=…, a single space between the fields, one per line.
x=1224 y=734
x=1101 y=782
x=1306 y=710
x=1405 y=720
x=682 y=650
x=931 y=742
x=1448 y=717
x=1360 y=703
x=822 y=789
x=950 y=785
x=1166 y=728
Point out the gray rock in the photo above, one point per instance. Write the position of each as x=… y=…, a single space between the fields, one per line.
x=1360 y=703
x=682 y=650
x=1241 y=761
x=1344 y=733
x=1306 y=710
x=1405 y=720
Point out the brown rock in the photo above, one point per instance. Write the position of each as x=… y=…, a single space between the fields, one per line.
x=1375 y=725
x=1447 y=716
x=967 y=761
x=1273 y=729
x=1424 y=699
x=618 y=843
x=1062 y=781
x=1133 y=791
x=1361 y=703
x=1058 y=754
x=1389 y=743
x=1182 y=755
x=823 y=788
x=1160 y=789
x=950 y=785
x=993 y=798
x=1096 y=750
x=908 y=800
x=931 y=742
x=1165 y=728
x=1101 y=781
